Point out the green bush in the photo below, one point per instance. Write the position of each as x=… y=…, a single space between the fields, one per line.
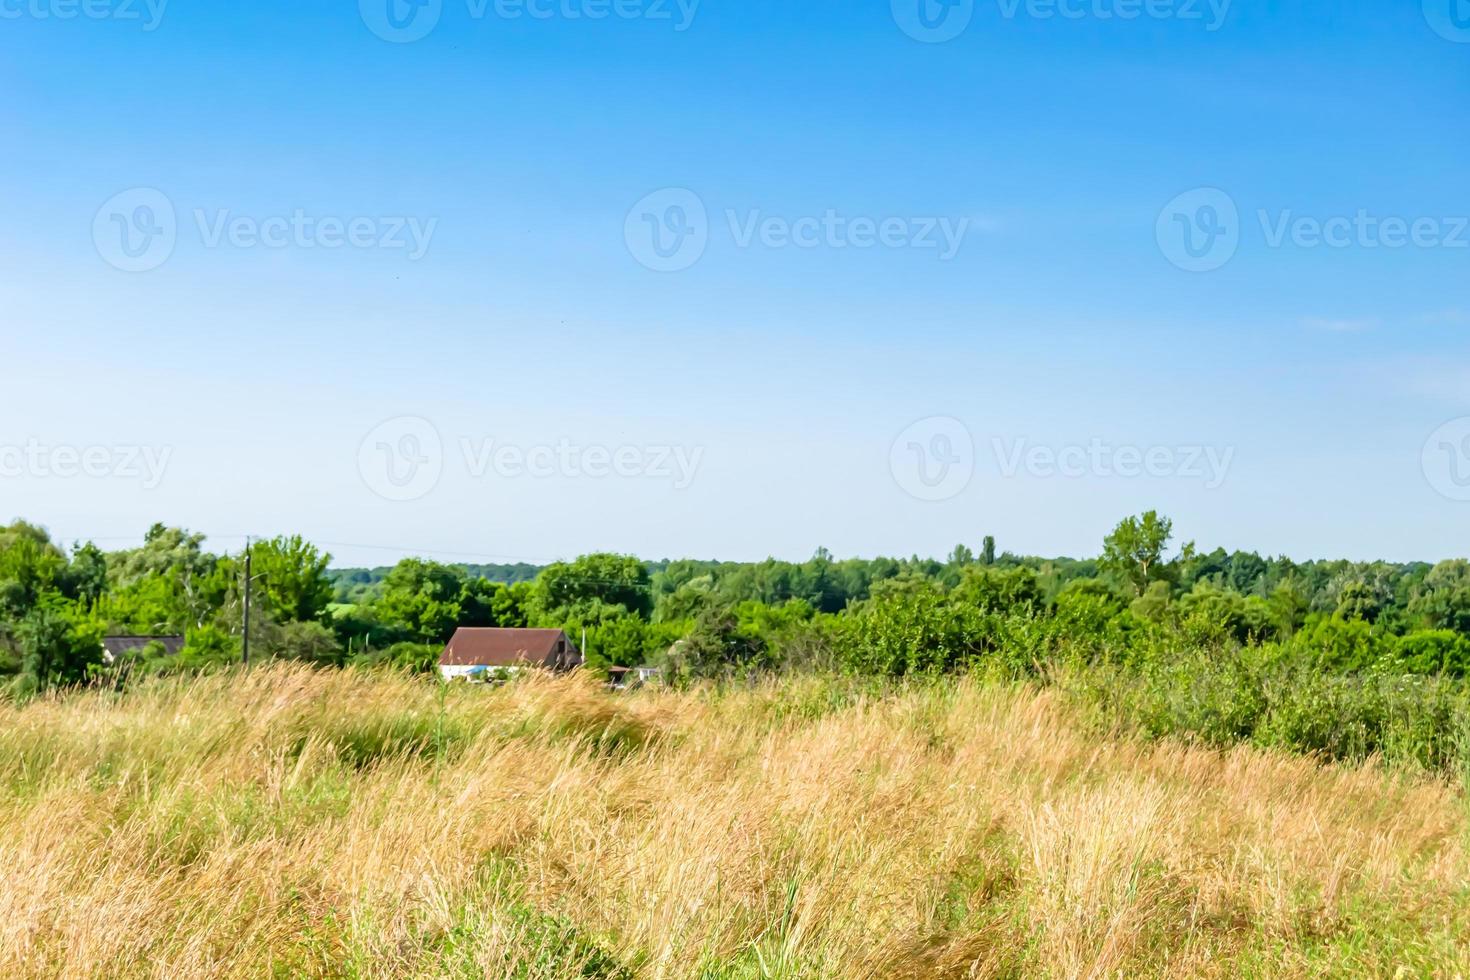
x=1431 y=652
x=204 y=646
x=921 y=631
x=1276 y=697
x=310 y=642
x=1334 y=645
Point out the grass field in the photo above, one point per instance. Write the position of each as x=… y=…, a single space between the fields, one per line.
x=288 y=822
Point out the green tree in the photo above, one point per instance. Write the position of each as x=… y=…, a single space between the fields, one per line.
x=30 y=566
x=86 y=576
x=716 y=647
x=1433 y=652
x=594 y=588
x=1442 y=600
x=1213 y=611
x=290 y=579
x=510 y=605
x=421 y=599
x=621 y=642
x=1288 y=606
x=1001 y=590
x=207 y=646
x=57 y=644
x=919 y=630
x=167 y=585
x=1136 y=548
x=1339 y=646
x=1358 y=601
x=1154 y=605
x=478 y=601
x=687 y=601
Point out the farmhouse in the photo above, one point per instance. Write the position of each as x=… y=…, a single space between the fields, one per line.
x=474 y=653
x=116 y=648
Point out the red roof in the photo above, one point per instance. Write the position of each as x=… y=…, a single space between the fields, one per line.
x=510 y=648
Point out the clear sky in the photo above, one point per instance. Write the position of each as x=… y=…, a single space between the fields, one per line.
x=521 y=279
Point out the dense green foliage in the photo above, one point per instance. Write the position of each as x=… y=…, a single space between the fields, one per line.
x=1345 y=658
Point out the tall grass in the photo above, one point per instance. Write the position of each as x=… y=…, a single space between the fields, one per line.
x=286 y=822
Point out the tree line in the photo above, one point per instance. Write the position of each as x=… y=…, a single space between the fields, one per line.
x=700 y=619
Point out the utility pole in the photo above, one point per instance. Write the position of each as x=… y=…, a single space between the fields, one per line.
x=245 y=642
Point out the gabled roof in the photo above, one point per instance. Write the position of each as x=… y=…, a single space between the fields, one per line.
x=472 y=647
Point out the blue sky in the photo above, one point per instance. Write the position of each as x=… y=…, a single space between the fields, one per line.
x=278 y=386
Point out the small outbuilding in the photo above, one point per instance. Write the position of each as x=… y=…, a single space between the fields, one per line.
x=116 y=648
x=622 y=678
x=474 y=653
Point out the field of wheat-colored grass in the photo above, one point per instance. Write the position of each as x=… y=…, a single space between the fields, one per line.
x=289 y=822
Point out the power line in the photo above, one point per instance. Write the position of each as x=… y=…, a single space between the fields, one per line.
x=245 y=633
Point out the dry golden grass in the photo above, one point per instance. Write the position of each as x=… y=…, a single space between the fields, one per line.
x=288 y=822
